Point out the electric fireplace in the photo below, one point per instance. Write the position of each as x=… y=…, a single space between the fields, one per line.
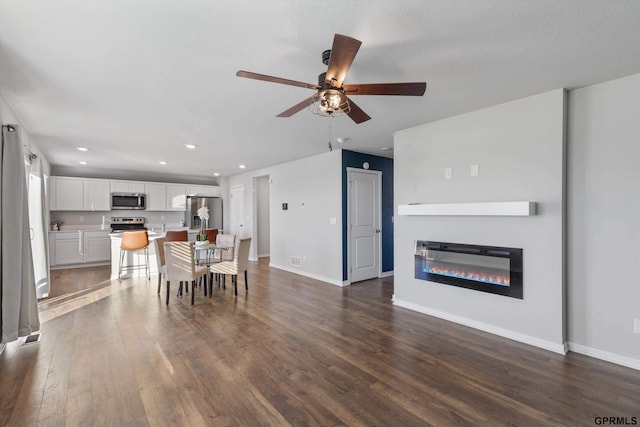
x=492 y=269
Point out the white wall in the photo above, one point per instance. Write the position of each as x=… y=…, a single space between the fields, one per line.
x=519 y=147
x=302 y=231
x=8 y=117
x=604 y=220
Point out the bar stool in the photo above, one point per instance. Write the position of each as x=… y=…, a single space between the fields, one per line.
x=134 y=241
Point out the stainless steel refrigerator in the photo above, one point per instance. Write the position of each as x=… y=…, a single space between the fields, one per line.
x=214 y=204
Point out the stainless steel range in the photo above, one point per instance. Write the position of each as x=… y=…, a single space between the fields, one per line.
x=122 y=224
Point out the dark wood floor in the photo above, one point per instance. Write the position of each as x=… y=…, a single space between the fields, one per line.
x=293 y=351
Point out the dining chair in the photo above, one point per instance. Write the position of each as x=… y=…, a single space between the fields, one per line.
x=177 y=236
x=212 y=234
x=239 y=264
x=160 y=259
x=133 y=241
x=181 y=266
x=228 y=241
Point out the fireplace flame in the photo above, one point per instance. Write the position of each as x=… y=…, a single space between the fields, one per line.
x=501 y=280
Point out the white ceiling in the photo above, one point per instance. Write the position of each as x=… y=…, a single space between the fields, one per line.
x=136 y=80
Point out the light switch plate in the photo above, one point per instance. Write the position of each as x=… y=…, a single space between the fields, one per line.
x=448 y=173
x=474 y=170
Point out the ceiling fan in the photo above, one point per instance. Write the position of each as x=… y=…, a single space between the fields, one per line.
x=331 y=98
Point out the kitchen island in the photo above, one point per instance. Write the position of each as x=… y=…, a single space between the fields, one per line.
x=133 y=258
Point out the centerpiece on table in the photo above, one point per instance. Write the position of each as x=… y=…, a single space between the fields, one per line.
x=201 y=237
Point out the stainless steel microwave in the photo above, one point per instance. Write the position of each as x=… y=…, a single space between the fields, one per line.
x=128 y=201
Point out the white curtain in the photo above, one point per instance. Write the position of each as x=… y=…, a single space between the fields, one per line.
x=19 y=306
x=38 y=222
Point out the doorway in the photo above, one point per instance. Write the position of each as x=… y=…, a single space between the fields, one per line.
x=364 y=227
x=262 y=229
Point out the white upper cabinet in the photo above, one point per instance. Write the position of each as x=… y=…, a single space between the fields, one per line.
x=156 y=196
x=79 y=194
x=128 y=187
x=176 y=197
x=66 y=193
x=203 y=190
x=97 y=195
x=89 y=194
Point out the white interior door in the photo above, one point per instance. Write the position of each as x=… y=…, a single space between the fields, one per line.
x=237 y=210
x=364 y=224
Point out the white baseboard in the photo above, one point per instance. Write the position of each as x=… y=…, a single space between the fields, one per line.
x=310 y=275
x=516 y=336
x=629 y=362
x=386 y=274
x=89 y=264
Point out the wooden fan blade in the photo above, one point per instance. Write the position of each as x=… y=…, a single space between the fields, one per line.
x=343 y=52
x=264 y=77
x=356 y=113
x=406 y=89
x=298 y=107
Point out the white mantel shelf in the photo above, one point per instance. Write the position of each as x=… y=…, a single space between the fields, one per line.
x=469 y=209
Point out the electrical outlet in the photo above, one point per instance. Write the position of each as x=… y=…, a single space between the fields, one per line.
x=636 y=326
x=81 y=218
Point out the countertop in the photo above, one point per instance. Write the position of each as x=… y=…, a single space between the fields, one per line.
x=97 y=227
x=80 y=228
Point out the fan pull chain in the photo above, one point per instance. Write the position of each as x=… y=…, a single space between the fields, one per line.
x=330 y=146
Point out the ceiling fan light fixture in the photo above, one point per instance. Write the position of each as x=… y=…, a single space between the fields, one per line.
x=330 y=103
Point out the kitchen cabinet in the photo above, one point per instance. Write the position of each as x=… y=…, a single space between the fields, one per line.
x=68 y=247
x=66 y=194
x=79 y=247
x=176 y=197
x=203 y=190
x=97 y=195
x=90 y=194
x=156 y=196
x=96 y=246
x=78 y=194
x=128 y=187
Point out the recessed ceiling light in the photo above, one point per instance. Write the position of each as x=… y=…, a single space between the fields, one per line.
x=386 y=148
x=82 y=162
x=242 y=166
x=82 y=148
x=216 y=174
x=162 y=162
x=342 y=140
x=190 y=146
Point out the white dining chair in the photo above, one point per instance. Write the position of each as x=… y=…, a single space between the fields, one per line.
x=239 y=264
x=181 y=266
x=224 y=241
x=160 y=259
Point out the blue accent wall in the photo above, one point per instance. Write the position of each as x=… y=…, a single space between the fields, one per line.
x=351 y=159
